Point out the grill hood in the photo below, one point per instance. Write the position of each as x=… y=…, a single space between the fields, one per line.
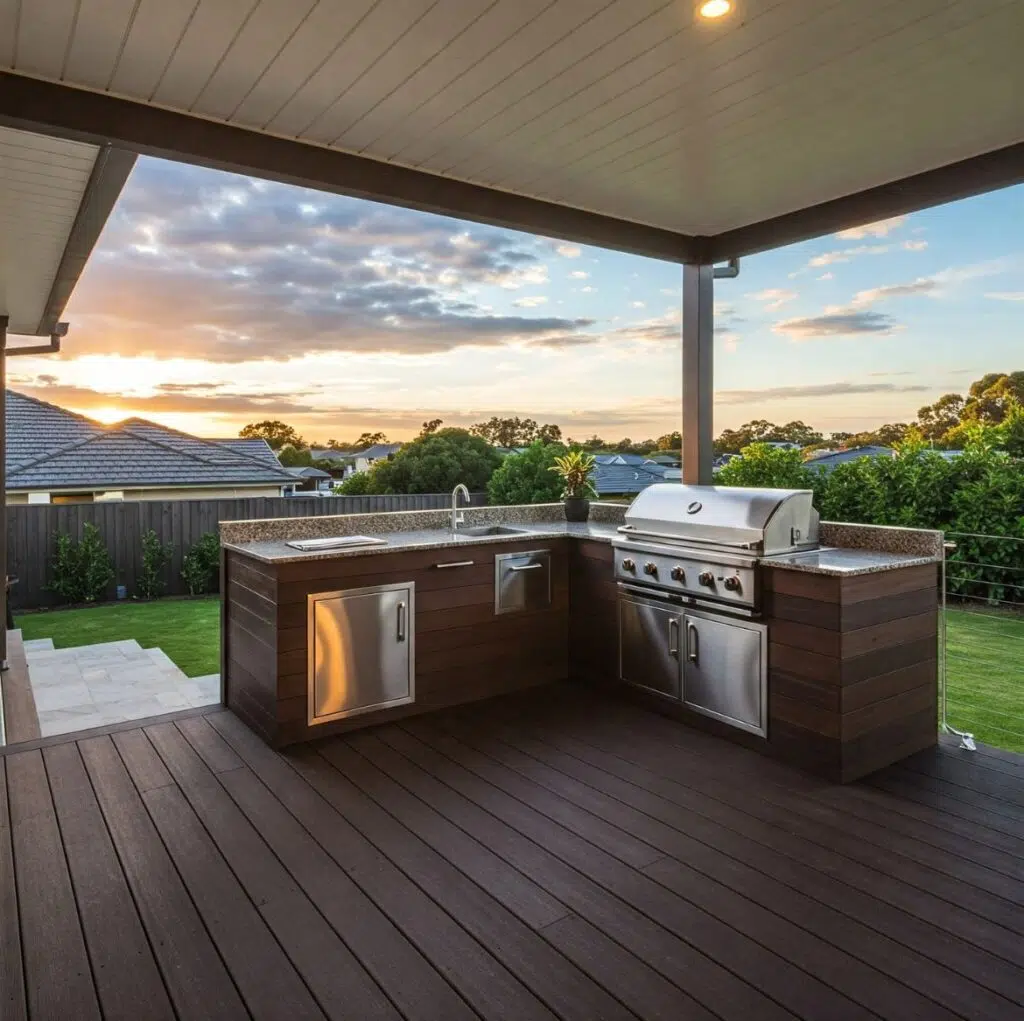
x=765 y=521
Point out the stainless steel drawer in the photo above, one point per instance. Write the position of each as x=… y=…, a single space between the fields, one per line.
x=360 y=654
x=522 y=581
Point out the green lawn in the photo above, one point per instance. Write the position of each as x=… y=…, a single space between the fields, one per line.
x=985 y=676
x=188 y=630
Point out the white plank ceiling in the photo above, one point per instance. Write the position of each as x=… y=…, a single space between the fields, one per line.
x=42 y=181
x=633 y=108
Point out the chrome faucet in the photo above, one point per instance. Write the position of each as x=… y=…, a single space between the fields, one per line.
x=457 y=517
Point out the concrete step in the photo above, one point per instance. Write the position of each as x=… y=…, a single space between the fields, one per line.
x=126 y=648
x=38 y=645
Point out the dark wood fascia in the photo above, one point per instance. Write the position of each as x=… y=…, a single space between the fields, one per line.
x=69 y=112
x=976 y=175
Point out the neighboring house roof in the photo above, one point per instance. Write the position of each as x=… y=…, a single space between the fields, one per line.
x=672 y=460
x=854 y=454
x=259 y=449
x=624 y=478
x=309 y=472
x=379 y=450
x=51 y=448
x=330 y=454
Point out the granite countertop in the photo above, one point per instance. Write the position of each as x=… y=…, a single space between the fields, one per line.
x=277 y=551
x=846 y=562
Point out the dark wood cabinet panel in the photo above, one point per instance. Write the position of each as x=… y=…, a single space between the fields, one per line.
x=464 y=651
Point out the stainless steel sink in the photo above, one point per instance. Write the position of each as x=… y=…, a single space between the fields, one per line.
x=478 y=530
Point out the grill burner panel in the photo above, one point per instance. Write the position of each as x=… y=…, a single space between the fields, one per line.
x=704 y=543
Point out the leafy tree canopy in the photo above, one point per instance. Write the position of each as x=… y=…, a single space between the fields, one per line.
x=515 y=432
x=434 y=463
x=526 y=477
x=275 y=432
x=768 y=467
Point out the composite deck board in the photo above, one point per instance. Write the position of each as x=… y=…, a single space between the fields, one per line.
x=868 y=955
x=556 y=854
x=787 y=801
x=127 y=978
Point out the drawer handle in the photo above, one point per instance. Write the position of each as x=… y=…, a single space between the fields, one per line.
x=525 y=567
x=691 y=642
x=456 y=563
x=401 y=622
x=673 y=638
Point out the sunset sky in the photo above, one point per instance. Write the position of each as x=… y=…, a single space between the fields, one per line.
x=213 y=300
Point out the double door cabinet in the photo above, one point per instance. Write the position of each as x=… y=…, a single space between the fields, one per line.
x=710 y=663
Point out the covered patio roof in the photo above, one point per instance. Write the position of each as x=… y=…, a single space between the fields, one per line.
x=633 y=124
x=55 y=196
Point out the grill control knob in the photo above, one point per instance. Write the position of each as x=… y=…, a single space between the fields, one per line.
x=678 y=574
x=707 y=579
x=628 y=564
x=650 y=567
x=732 y=583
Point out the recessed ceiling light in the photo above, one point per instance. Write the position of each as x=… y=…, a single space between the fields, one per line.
x=714 y=8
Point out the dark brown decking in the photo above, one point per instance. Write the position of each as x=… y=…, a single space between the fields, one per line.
x=552 y=855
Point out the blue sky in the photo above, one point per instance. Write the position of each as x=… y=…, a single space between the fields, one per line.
x=213 y=300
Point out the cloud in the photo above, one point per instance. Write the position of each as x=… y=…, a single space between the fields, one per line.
x=569 y=251
x=846 y=254
x=774 y=297
x=785 y=393
x=198 y=263
x=639 y=304
x=579 y=274
x=530 y=302
x=923 y=285
x=587 y=290
x=1006 y=295
x=844 y=322
x=826 y=276
x=878 y=229
x=915 y=246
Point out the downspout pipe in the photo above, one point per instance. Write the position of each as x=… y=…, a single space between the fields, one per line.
x=729 y=271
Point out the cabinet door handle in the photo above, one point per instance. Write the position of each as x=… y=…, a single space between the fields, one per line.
x=692 y=648
x=456 y=563
x=525 y=567
x=401 y=622
x=673 y=637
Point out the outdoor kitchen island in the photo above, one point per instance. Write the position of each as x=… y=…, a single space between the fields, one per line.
x=414 y=619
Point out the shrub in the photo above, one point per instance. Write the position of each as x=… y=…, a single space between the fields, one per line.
x=82 y=568
x=354 y=485
x=767 y=467
x=156 y=555
x=527 y=477
x=200 y=566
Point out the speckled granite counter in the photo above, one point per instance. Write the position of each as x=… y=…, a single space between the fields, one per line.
x=847 y=550
x=277 y=551
x=846 y=562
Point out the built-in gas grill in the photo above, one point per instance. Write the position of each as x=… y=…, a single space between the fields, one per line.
x=704 y=542
x=688 y=569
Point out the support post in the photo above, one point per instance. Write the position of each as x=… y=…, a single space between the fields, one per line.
x=3 y=492
x=698 y=373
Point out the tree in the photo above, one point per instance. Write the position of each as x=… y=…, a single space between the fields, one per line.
x=293 y=457
x=671 y=441
x=435 y=464
x=935 y=420
x=515 y=432
x=275 y=432
x=370 y=440
x=431 y=427
x=992 y=396
x=527 y=477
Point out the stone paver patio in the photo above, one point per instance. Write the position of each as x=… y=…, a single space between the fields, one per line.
x=95 y=685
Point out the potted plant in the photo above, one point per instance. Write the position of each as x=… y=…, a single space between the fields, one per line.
x=574 y=470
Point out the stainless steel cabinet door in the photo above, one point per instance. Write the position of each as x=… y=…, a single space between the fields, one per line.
x=361 y=655
x=724 y=670
x=649 y=636
x=522 y=581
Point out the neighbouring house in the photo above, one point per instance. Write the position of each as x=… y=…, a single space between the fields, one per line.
x=57 y=456
x=782 y=444
x=826 y=462
x=354 y=461
x=311 y=480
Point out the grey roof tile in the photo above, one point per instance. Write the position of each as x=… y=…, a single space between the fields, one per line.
x=51 y=448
